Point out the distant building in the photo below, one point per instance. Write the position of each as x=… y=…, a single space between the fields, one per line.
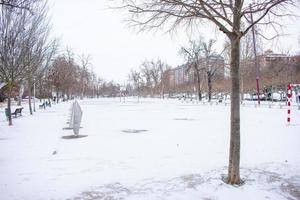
x=182 y=75
x=217 y=63
x=270 y=58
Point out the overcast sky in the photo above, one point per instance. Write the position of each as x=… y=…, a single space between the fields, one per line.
x=89 y=27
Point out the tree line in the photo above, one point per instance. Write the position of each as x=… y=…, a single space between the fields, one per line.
x=207 y=71
x=31 y=61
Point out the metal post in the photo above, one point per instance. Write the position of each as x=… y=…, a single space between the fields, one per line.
x=255 y=57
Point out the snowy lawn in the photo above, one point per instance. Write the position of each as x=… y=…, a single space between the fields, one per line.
x=155 y=149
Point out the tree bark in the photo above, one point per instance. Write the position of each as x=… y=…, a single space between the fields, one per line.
x=19 y=100
x=9 y=107
x=209 y=84
x=29 y=97
x=199 y=86
x=82 y=92
x=242 y=88
x=57 y=93
x=234 y=152
x=162 y=91
x=20 y=94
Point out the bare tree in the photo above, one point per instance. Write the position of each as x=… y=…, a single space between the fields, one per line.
x=84 y=72
x=63 y=74
x=135 y=78
x=39 y=49
x=246 y=61
x=13 y=35
x=146 y=72
x=212 y=63
x=18 y=4
x=71 y=78
x=193 y=55
x=203 y=61
x=155 y=75
x=227 y=16
x=151 y=78
x=162 y=67
x=99 y=84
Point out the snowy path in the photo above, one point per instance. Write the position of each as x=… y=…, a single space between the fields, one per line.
x=180 y=153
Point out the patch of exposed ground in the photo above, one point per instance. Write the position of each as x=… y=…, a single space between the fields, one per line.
x=134 y=131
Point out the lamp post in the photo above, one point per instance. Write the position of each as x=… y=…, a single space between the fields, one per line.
x=255 y=58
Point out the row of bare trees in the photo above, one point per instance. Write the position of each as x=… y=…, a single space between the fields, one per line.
x=60 y=78
x=30 y=63
x=150 y=79
x=202 y=63
x=25 y=46
x=71 y=76
x=205 y=68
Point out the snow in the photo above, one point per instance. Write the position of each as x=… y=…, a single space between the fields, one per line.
x=154 y=149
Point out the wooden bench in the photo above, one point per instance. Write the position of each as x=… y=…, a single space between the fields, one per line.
x=17 y=112
x=42 y=106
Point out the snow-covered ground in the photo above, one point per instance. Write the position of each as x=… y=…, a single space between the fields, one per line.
x=154 y=150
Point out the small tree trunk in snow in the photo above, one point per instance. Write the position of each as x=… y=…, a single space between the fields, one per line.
x=199 y=86
x=9 y=107
x=162 y=91
x=234 y=152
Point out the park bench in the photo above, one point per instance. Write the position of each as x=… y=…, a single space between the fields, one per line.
x=45 y=104
x=17 y=112
x=42 y=106
x=48 y=103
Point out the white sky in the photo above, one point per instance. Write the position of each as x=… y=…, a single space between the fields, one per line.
x=88 y=27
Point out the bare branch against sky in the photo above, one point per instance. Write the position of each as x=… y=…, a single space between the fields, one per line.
x=102 y=33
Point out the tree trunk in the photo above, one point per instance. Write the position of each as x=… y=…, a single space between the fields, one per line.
x=34 y=94
x=242 y=88
x=162 y=88
x=209 y=84
x=199 y=86
x=234 y=152
x=151 y=92
x=21 y=90
x=29 y=95
x=82 y=92
x=57 y=96
x=9 y=107
x=19 y=100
